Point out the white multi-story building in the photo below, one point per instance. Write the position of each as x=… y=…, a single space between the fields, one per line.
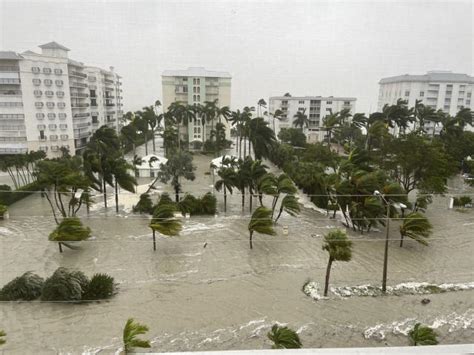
x=48 y=101
x=441 y=90
x=196 y=85
x=315 y=107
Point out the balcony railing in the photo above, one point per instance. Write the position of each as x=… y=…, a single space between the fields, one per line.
x=13 y=150
x=81 y=115
x=10 y=81
x=12 y=128
x=110 y=105
x=78 y=94
x=75 y=105
x=107 y=81
x=9 y=69
x=78 y=74
x=75 y=84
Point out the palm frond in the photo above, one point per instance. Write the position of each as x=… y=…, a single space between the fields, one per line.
x=130 y=333
x=422 y=335
x=284 y=338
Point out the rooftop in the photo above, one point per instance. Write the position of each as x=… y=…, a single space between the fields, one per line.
x=431 y=76
x=326 y=98
x=9 y=55
x=53 y=45
x=197 y=72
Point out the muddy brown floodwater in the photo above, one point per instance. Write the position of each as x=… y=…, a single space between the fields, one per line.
x=225 y=296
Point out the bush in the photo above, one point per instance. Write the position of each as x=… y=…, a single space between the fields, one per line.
x=8 y=197
x=206 y=205
x=144 y=205
x=465 y=200
x=3 y=209
x=65 y=285
x=101 y=286
x=165 y=199
x=70 y=229
x=189 y=204
x=26 y=287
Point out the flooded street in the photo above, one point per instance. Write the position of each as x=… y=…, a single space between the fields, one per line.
x=224 y=295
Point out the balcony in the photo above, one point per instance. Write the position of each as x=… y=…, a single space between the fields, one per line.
x=79 y=95
x=109 y=97
x=76 y=105
x=8 y=81
x=11 y=150
x=81 y=115
x=109 y=105
x=10 y=93
x=75 y=84
x=81 y=133
x=77 y=74
x=108 y=81
x=9 y=68
x=12 y=128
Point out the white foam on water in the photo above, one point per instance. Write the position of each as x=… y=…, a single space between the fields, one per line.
x=311 y=289
x=6 y=231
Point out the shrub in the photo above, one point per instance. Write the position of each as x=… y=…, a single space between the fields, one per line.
x=144 y=205
x=101 y=286
x=70 y=229
x=65 y=285
x=3 y=209
x=165 y=199
x=206 y=204
x=26 y=287
x=189 y=204
x=465 y=200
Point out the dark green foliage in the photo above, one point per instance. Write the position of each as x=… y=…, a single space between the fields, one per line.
x=462 y=201
x=101 y=286
x=65 y=285
x=189 y=204
x=144 y=205
x=292 y=136
x=205 y=205
x=165 y=199
x=70 y=229
x=130 y=335
x=164 y=221
x=422 y=335
x=3 y=210
x=284 y=338
x=208 y=204
x=2 y=334
x=26 y=287
x=8 y=197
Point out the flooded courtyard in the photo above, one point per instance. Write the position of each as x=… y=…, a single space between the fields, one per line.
x=206 y=290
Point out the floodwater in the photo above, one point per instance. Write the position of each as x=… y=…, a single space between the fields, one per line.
x=222 y=295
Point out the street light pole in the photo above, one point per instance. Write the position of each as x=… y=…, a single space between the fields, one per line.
x=387 y=231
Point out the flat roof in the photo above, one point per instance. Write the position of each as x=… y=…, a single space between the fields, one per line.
x=326 y=98
x=198 y=72
x=440 y=76
x=10 y=55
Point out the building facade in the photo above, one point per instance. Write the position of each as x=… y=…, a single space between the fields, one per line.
x=196 y=85
x=315 y=107
x=441 y=90
x=48 y=101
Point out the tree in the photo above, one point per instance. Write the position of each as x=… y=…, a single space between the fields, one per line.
x=290 y=205
x=153 y=120
x=129 y=134
x=417 y=227
x=179 y=165
x=284 y=186
x=261 y=222
x=301 y=119
x=226 y=182
x=70 y=229
x=130 y=336
x=164 y=221
x=170 y=140
x=181 y=113
x=292 y=136
x=284 y=338
x=261 y=104
x=255 y=173
x=119 y=168
x=422 y=335
x=339 y=248
x=278 y=114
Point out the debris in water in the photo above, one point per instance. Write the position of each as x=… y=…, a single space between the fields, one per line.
x=205 y=244
x=425 y=301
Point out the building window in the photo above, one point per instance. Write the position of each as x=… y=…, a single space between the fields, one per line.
x=58 y=71
x=39 y=104
x=51 y=116
x=468 y=94
x=37 y=93
x=301 y=102
x=52 y=127
x=61 y=105
x=64 y=137
x=36 y=82
x=95 y=120
x=93 y=102
x=41 y=127
x=50 y=104
x=49 y=93
x=329 y=102
x=54 y=148
x=422 y=93
x=47 y=70
x=60 y=94
x=347 y=103
x=468 y=102
x=407 y=93
x=301 y=109
x=328 y=109
x=40 y=115
x=62 y=116
x=63 y=126
x=48 y=82
x=35 y=70
x=53 y=137
x=59 y=83
x=43 y=148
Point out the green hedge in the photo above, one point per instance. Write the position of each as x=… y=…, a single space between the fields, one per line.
x=8 y=197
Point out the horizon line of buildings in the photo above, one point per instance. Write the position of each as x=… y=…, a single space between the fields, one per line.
x=48 y=101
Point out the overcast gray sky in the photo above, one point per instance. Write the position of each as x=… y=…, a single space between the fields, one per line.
x=269 y=47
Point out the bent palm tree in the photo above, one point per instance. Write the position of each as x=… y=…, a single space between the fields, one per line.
x=290 y=205
x=130 y=332
x=164 y=221
x=261 y=222
x=417 y=227
x=2 y=334
x=339 y=248
x=70 y=229
x=422 y=335
x=226 y=182
x=284 y=338
x=301 y=119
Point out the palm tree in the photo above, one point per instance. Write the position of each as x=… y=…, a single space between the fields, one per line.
x=301 y=119
x=278 y=114
x=417 y=227
x=256 y=172
x=164 y=221
x=422 y=335
x=70 y=229
x=284 y=338
x=261 y=137
x=339 y=248
x=261 y=222
x=331 y=122
x=261 y=103
x=226 y=182
x=120 y=168
x=284 y=186
x=290 y=205
x=153 y=120
x=242 y=177
x=182 y=113
x=2 y=334
x=130 y=336
x=267 y=185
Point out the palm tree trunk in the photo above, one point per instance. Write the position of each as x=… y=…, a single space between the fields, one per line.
x=105 y=193
x=179 y=137
x=225 y=200
x=401 y=240
x=154 y=241
x=154 y=144
x=245 y=147
x=250 y=200
x=275 y=200
x=328 y=272
x=243 y=198
x=116 y=196
x=279 y=214
x=250 y=239
x=60 y=247
x=146 y=143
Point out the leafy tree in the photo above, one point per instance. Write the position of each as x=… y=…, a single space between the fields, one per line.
x=70 y=229
x=261 y=222
x=422 y=335
x=144 y=205
x=164 y=221
x=417 y=227
x=179 y=165
x=26 y=287
x=339 y=248
x=290 y=205
x=130 y=336
x=284 y=338
x=292 y=136
x=181 y=113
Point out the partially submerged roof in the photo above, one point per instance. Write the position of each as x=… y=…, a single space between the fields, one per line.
x=431 y=76
x=10 y=55
x=197 y=72
x=53 y=45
